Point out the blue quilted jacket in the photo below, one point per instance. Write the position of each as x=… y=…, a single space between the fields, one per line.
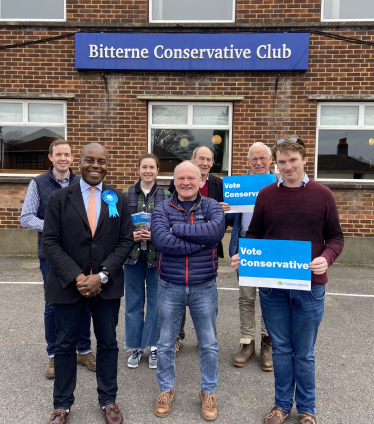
x=183 y=260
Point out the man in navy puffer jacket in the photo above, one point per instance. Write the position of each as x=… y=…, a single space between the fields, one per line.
x=186 y=230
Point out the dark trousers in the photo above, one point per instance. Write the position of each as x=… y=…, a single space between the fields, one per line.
x=69 y=319
x=84 y=342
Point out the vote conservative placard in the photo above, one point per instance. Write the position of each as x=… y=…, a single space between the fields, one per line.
x=281 y=264
x=241 y=192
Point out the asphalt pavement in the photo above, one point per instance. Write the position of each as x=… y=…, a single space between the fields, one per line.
x=344 y=358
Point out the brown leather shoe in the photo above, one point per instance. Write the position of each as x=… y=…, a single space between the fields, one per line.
x=246 y=353
x=266 y=354
x=209 y=406
x=112 y=414
x=87 y=360
x=307 y=418
x=59 y=416
x=276 y=416
x=163 y=404
x=50 y=368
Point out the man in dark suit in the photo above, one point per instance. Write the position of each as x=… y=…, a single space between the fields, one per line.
x=87 y=237
x=210 y=186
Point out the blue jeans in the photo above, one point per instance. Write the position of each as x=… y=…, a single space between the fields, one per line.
x=69 y=319
x=140 y=331
x=292 y=318
x=84 y=343
x=202 y=300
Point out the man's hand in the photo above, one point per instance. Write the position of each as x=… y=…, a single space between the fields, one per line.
x=319 y=265
x=90 y=286
x=235 y=261
x=225 y=206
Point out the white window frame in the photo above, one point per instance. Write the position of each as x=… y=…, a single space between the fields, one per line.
x=25 y=123
x=35 y=20
x=187 y=20
x=360 y=126
x=190 y=125
x=335 y=5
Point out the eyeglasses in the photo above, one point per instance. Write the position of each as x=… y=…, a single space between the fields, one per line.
x=262 y=159
x=282 y=140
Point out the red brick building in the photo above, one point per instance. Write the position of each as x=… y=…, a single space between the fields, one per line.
x=330 y=105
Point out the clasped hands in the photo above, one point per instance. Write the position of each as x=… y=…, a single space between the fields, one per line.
x=141 y=235
x=88 y=285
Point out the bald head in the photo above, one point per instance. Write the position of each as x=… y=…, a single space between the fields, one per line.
x=187 y=180
x=96 y=146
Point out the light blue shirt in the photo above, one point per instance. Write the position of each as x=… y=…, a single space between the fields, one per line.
x=86 y=192
x=31 y=204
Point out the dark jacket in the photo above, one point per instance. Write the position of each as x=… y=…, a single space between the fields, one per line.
x=140 y=203
x=215 y=191
x=46 y=185
x=183 y=260
x=70 y=249
x=235 y=221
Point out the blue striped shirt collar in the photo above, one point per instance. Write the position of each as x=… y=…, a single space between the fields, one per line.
x=302 y=184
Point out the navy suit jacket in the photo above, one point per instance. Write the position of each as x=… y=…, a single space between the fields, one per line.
x=70 y=249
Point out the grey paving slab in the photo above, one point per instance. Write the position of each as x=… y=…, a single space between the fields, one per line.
x=344 y=359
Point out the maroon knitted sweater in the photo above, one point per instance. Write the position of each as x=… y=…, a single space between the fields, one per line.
x=307 y=213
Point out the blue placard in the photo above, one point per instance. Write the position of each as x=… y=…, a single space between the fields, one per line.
x=241 y=192
x=282 y=264
x=192 y=52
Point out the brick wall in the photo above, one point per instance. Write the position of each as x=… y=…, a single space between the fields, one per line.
x=119 y=120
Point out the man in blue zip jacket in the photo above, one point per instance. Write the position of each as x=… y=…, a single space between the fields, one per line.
x=186 y=230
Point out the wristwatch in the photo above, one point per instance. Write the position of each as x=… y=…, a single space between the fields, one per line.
x=104 y=276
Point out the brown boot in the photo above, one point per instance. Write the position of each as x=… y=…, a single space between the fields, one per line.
x=163 y=404
x=87 y=360
x=50 y=368
x=307 y=418
x=209 y=406
x=246 y=353
x=276 y=416
x=266 y=354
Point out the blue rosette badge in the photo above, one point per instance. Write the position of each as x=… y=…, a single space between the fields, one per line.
x=111 y=199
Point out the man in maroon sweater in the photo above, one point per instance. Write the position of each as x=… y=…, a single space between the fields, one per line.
x=295 y=208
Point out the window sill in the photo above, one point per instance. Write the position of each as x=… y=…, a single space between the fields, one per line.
x=17 y=178
x=39 y=96
x=348 y=184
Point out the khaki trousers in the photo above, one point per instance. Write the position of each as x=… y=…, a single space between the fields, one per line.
x=247 y=298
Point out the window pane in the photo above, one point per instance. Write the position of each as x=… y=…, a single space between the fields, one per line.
x=27 y=147
x=369 y=115
x=339 y=115
x=192 y=10
x=349 y=9
x=32 y=9
x=172 y=115
x=11 y=112
x=211 y=115
x=174 y=146
x=345 y=154
x=39 y=112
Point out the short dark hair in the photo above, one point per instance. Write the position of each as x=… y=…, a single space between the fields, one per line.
x=57 y=143
x=148 y=156
x=93 y=145
x=287 y=145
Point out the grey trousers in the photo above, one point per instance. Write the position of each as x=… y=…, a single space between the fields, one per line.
x=247 y=297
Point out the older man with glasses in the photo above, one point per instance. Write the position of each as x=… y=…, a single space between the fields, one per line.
x=259 y=159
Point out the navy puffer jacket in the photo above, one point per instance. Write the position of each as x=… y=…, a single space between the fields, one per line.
x=183 y=260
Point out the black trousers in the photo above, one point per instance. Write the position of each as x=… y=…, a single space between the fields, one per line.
x=69 y=319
